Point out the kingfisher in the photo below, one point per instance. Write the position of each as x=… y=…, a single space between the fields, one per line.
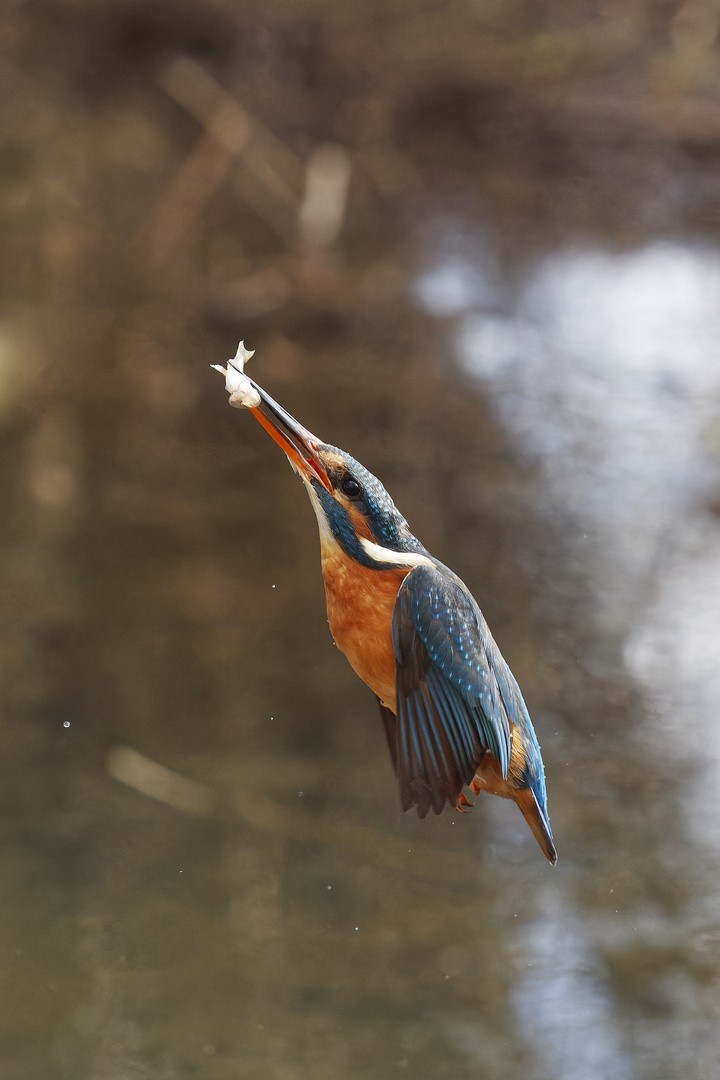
x=453 y=714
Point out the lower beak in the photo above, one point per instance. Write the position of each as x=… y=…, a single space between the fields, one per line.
x=299 y=444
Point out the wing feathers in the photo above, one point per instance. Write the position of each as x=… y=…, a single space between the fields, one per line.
x=449 y=706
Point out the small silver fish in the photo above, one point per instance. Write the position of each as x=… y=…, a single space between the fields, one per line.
x=243 y=394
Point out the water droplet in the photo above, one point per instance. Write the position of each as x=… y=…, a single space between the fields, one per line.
x=66 y=723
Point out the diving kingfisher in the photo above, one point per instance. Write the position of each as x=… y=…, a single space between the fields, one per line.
x=453 y=713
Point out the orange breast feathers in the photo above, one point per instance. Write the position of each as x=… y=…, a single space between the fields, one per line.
x=360 y=605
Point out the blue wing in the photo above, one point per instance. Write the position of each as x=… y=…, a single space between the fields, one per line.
x=452 y=690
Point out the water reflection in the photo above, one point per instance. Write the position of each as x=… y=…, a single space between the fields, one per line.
x=563 y=1001
x=601 y=366
x=604 y=368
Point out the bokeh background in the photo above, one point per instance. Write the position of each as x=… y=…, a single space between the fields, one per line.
x=476 y=243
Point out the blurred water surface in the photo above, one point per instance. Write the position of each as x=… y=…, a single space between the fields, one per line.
x=475 y=245
x=600 y=365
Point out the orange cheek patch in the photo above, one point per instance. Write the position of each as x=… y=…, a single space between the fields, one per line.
x=359 y=522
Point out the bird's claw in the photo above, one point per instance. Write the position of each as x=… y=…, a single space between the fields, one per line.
x=465 y=804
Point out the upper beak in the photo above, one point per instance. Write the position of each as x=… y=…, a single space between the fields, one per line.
x=299 y=444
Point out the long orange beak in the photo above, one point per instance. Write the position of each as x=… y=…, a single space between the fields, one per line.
x=299 y=444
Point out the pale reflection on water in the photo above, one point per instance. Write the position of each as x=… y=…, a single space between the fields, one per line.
x=605 y=369
x=564 y=1008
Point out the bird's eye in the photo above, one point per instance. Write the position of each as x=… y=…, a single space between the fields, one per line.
x=351 y=488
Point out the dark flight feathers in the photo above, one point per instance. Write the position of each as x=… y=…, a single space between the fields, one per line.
x=450 y=708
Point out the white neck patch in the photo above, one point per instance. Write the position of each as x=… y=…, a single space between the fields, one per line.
x=383 y=555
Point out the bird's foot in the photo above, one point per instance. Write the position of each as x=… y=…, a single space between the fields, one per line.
x=464 y=803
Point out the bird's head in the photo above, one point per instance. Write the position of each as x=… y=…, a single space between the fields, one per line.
x=353 y=508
